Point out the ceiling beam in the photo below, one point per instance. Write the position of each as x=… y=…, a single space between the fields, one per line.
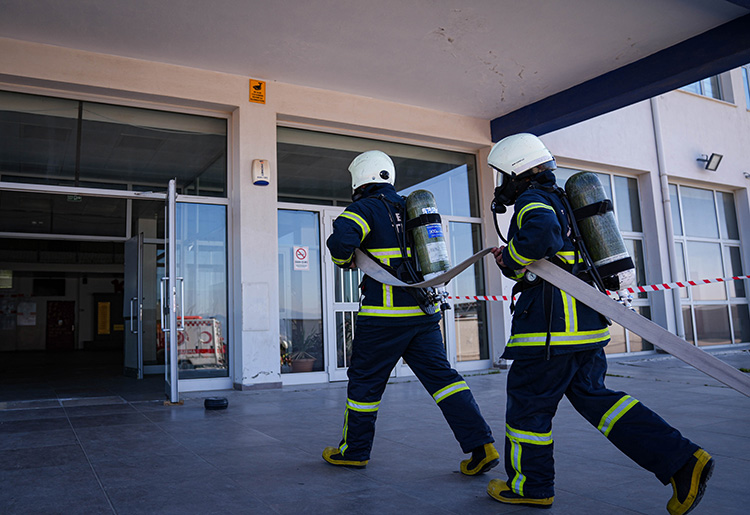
x=715 y=51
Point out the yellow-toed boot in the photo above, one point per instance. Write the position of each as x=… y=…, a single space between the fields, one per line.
x=500 y=491
x=482 y=459
x=334 y=457
x=689 y=483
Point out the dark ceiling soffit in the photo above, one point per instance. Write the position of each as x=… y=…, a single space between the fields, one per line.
x=713 y=52
x=741 y=3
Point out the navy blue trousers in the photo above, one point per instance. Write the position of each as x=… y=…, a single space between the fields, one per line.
x=375 y=351
x=535 y=388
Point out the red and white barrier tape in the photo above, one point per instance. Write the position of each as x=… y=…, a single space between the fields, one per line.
x=637 y=289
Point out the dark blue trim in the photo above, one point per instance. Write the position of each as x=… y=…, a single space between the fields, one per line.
x=713 y=52
x=741 y=3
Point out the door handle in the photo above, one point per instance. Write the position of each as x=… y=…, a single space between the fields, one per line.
x=132 y=316
x=162 y=297
x=181 y=320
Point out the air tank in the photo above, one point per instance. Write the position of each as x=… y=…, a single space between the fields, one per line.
x=427 y=233
x=601 y=235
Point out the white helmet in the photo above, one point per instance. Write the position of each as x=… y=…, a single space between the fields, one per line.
x=518 y=153
x=516 y=158
x=372 y=166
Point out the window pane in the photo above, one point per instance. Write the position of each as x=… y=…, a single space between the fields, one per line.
x=617 y=342
x=705 y=263
x=563 y=174
x=679 y=252
x=699 y=212
x=746 y=79
x=313 y=168
x=605 y=180
x=741 y=323
x=119 y=146
x=344 y=337
x=628 y=206
x=712 y=325
x=674 y=202
x=736 y=288
x=712 y=87
x=728 y=216
x=695 y=87
x=470 y=316
x=300 y=310
x=635 y=249
x=43 y=213
x=202 y=263
x=687 y=321
x=637 y=343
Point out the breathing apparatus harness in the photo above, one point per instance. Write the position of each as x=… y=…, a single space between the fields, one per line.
x=409 y=270
x=587 y=272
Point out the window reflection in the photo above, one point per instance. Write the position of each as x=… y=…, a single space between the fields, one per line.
x=118 y=147
x=704 y=261
x=470 y=316
x=699 y=212
x=300 y=295
x=312 y=169
x=202 y=263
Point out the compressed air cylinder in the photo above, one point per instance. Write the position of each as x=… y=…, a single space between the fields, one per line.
x=429 y=243
x=599 y=230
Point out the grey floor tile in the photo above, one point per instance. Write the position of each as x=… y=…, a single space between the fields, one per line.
x=180 y=496
x=51 y=438
x=41 y=457
x=155 y=469
x=69 y=490
x=27 y=426
x=31 y=414
x=114 y=419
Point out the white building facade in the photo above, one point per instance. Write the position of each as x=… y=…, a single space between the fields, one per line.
x=97 y=138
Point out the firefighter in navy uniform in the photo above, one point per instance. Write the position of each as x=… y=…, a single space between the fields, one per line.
x=391 y=324
x=556 y=345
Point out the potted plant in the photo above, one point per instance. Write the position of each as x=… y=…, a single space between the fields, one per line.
x=301 y=357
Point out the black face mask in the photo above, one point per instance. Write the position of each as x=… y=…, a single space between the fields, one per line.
x=507 y=193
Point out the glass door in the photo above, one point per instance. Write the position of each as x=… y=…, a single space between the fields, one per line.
x=169 y=301
x=343 y=294
x=133 y=307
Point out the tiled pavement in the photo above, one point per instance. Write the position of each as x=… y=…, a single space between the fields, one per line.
x=90 y=451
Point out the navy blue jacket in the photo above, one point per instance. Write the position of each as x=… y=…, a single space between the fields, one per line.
x=366 y=224
x=539 y=230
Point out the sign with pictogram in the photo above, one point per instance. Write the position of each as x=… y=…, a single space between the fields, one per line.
x=257 y=91
x=301 y=258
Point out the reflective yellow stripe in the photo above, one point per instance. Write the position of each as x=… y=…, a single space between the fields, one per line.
x=615 y=413
x=529 y=207
x=519 y=479
x=354 y=217
x=341 y=261
x=363 y=407
x=449 y=390
x=390 y=311
x=571 y=314
x=518 y=258
x=569 y=256
x=528 y=436
x=559 y=338
x=388 y=253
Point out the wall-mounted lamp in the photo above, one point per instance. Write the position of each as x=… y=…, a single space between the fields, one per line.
x=746 y=174
x=712 y=162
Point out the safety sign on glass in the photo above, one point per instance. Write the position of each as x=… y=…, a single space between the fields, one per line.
x=301 y=258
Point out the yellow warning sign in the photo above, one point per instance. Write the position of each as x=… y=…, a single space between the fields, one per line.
x=257 y=91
